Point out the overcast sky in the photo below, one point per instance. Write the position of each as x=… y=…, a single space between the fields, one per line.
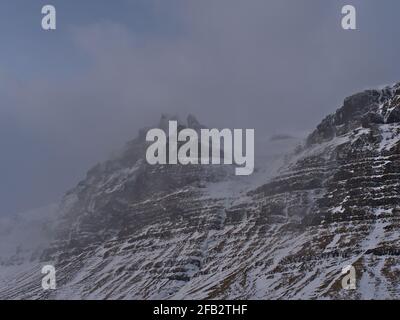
x=71 y=96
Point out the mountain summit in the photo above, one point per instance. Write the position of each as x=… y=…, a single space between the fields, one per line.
x=134 y=231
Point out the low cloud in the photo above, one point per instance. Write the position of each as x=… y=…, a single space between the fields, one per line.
x=275 y=66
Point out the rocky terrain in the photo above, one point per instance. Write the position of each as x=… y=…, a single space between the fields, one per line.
x=135 y=231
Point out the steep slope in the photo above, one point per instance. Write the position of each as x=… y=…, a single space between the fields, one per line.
x=134 y=231
x=341 y=195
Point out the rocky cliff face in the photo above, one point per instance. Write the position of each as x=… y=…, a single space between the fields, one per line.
x=134 y=231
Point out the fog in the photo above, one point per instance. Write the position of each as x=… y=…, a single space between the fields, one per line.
x=70 y=97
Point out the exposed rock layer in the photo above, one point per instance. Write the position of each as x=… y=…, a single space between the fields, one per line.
x=135 y=231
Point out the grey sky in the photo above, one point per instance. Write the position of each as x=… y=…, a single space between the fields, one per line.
x=70 y=97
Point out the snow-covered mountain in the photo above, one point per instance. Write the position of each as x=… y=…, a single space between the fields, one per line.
x=135 y=231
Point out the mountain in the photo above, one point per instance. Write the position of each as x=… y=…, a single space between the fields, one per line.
x=135 y=231
x=24 y=236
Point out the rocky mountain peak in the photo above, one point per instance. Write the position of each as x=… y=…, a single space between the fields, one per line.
x=193 y=123
x=364 y=109
x=164 y=121
x=134 y=231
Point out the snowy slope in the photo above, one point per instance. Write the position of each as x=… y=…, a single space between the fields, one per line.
x=26 y=234
x=134 y=231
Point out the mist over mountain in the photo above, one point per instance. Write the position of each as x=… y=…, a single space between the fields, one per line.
x=130 y=230
x=69 y=97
